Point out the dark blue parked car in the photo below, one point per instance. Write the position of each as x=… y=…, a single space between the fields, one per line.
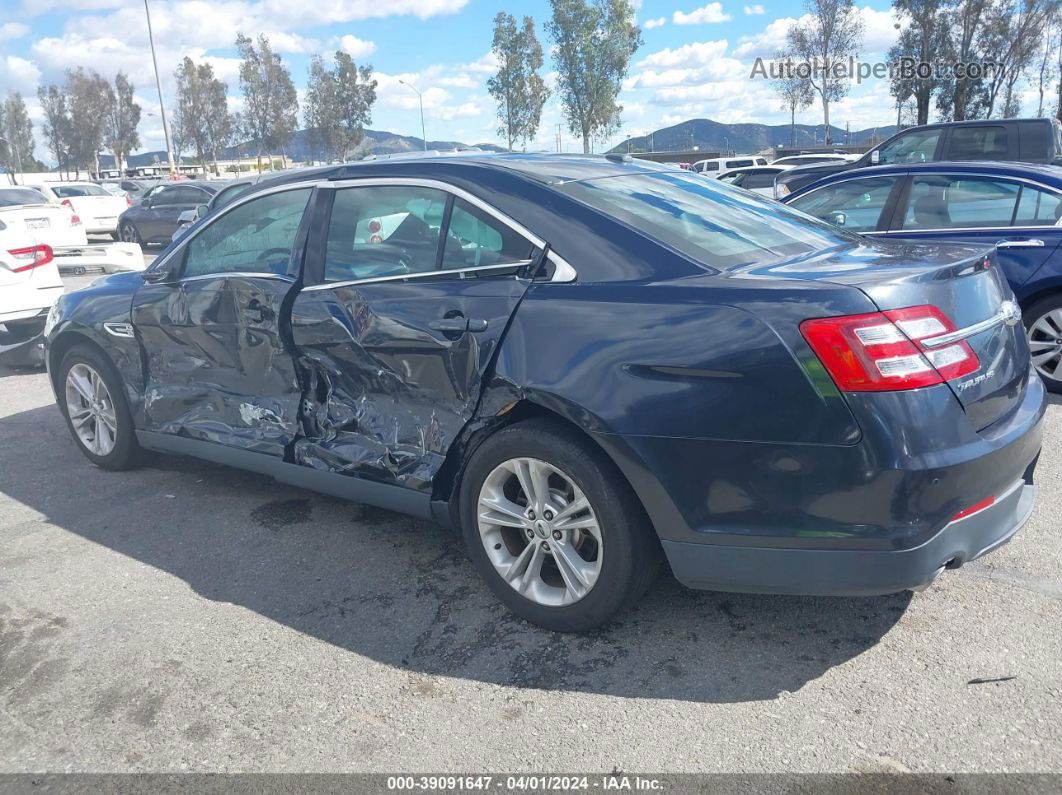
x=586 y=365
x=1015 y=207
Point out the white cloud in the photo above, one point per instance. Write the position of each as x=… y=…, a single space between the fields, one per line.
x=693 y=54
x=13 y=30
x=355 y=47
x=18 y=74
x=655 y=23
x=769 y=40
x=713 y=12
x=754 y=11
x=293 y=43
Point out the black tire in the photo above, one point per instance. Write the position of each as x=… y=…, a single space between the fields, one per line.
x=1033 y=313
x=128 y=233
x=631 y=551
x=127 y=453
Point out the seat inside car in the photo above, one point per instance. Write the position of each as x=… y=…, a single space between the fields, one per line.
x=931 y=211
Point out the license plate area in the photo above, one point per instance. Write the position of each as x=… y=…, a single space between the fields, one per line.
x=38 y=223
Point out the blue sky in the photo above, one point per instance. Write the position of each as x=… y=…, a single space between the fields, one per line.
x=694 y=62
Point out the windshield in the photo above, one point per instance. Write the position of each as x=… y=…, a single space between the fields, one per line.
x=13 y=197
x=73 y=191
x=707 y=220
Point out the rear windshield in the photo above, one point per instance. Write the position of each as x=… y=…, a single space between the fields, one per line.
x=709 y=221
x=73 y=191
x=13 y=197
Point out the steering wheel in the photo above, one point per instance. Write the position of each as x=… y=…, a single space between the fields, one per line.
x=270 y=253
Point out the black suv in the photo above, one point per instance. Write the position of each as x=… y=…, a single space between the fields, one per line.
x=1024 y=140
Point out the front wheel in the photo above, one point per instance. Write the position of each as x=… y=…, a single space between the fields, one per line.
x=1043 y=325
x=94 y=406
x=554 y=529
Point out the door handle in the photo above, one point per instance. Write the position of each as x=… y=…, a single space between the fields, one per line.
x=1030 y=243
x=458 y=324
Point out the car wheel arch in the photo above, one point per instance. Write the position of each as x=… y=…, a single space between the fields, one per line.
x=63 y=342
x=447 y=483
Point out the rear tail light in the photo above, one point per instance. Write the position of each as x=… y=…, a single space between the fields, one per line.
x=67 y=203
x=32 y=257
x=128 y=202
x=75 y=220
x=883 y=351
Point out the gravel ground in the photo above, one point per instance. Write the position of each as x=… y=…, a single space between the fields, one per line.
x=188 y=616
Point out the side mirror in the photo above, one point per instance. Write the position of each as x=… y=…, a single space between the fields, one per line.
x=875 y=157
x=158 y=275
x=838 y=218
x=201 y=210
x=188 y=217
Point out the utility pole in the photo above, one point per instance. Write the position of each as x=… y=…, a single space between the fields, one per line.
x=559 y=139
x=158 y=85
x=420 y=99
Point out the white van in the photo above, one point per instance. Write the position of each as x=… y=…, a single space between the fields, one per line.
x=713 y=165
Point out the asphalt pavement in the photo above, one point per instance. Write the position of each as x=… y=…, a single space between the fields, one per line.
x=187 y=616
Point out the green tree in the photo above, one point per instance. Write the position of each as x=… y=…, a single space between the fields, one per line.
x=517 y=86
x=123 y=118
x=795 y=92
x=88 y=103
x=924 y=40
x=596 y=40
x=17 y=128
x=201 y=115
x=833 y=33
x=270 y=102
x=56 y=123
x=338 y=104
x=958 y=100
x=1013 y=32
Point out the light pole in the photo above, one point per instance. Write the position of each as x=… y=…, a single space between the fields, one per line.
x=18 y=155
x=158 y=85
x=420 y=99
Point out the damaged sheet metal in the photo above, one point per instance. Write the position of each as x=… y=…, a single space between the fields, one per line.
x=385 y=394
x=217 y=367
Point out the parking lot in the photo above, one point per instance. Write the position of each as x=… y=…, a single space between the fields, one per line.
x=188 y=616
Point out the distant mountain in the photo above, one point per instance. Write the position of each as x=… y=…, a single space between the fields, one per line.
x=708 y=135
x=376 y=142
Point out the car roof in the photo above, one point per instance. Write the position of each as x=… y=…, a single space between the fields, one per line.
x=1040 y=172
x=969 y=122
x=210 y=185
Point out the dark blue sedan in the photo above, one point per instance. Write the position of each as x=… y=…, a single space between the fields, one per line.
x=1015 y=207
x=588 y=366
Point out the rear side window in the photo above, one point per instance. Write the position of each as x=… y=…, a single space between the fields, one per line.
x=256 y=237
x=855 y=205
x=1038 y=207
x=474 y=239
x=960 y=202
x=383 y=231
x=987 y=142
x=919 y=146
x=711 y=166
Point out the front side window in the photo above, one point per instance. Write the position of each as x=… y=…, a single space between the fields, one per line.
x=474 y=239
x=256 y=237
x=162 y=197
x=855 y=204
x=383 y=231
x=912 y=147
x=957 y=202
x=712 y=223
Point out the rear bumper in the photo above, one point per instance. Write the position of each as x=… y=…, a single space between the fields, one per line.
x=22 y=341
x=107 y=257
x=835 y=572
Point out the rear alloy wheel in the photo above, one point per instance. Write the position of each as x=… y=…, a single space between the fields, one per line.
x=127 y=232
x=553 y=527
x=1043 y=324
x=96 y=411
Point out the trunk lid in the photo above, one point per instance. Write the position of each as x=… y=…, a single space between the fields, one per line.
x=965 y=283
x=37 y=224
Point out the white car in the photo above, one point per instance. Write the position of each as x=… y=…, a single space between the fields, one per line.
x=27 y=220
x=98 y=209
x=29 y=286
x=711 y=166
x=758 y=179
x=808 y=159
